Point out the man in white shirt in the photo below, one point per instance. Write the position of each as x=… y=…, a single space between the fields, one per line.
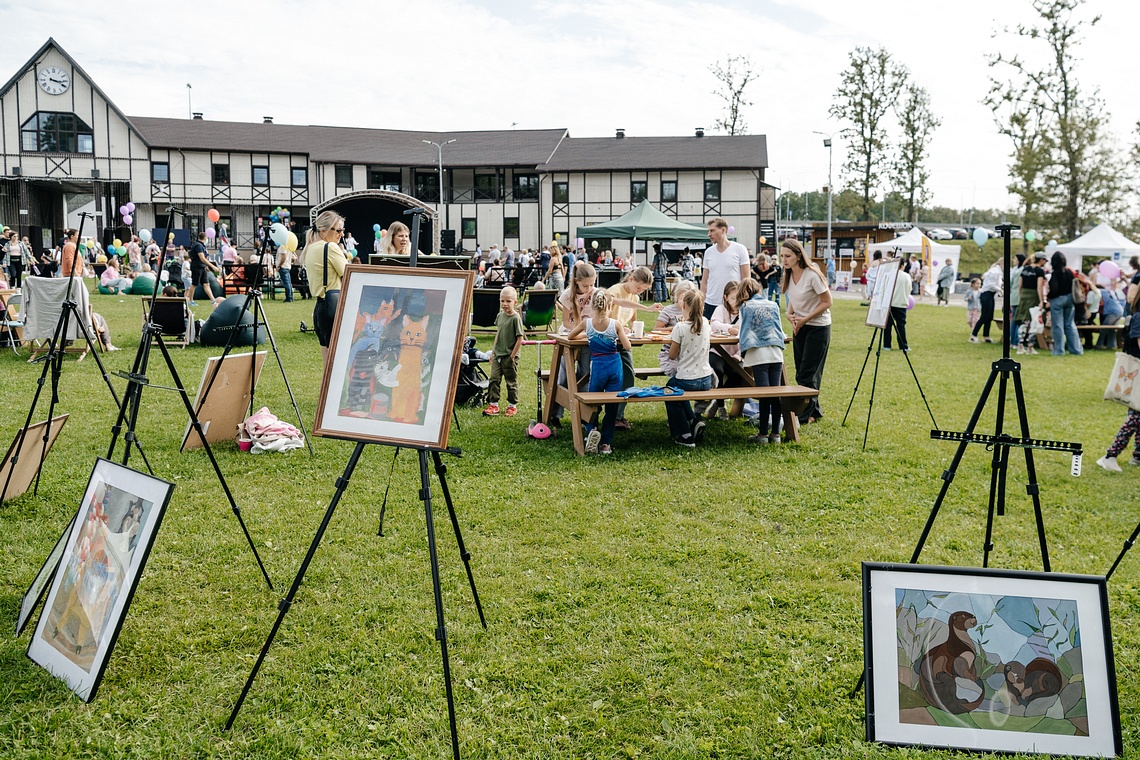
x=724 y=262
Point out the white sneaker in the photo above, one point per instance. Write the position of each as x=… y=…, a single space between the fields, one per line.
x=1109 y=463
x=1021 y=349
x=1135 y=461
x=593 y=439
x=973 y=338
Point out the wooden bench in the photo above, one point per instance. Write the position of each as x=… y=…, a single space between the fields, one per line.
x=1097 y=328
x=794 y=397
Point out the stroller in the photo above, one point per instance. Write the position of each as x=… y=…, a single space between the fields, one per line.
x=471 y=387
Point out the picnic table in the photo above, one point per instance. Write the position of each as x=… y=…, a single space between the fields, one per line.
x=582 y=404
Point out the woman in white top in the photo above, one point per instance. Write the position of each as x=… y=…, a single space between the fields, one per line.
x=809 y=309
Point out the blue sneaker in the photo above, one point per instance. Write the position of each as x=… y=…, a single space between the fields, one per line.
x=193 y=303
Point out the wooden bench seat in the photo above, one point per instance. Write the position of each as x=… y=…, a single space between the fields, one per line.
x=1097 y=328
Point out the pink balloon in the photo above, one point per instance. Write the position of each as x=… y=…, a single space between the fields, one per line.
x=1109 y=269
x=123 y=210
x=210 y=233
x=128 y=219
x=731 y=229
x=131 y=207
x=910 y=302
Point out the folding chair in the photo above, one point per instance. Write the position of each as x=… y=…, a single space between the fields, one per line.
x=538 y=311
x=173 y=315
x=12 y=326
x=484 y=309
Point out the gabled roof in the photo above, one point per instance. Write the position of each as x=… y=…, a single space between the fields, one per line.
x=523 y=147
x=635 y=153
x=51 y=43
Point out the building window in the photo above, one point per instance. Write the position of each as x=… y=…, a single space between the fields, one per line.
x=427 y=186
x=668 y=191
x=485 y=188
x=469 y=228
x=261 y=176
x=561 y=192
x=712 y=189
x=220 y=174
x=343 y=176
x=511 y=226
x=299 y=176
x=159 y=171
x=51 y=132
x=638 y=191
x=526 y=187
x=378 y=179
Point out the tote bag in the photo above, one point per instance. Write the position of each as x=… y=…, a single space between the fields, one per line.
x=1123 y=381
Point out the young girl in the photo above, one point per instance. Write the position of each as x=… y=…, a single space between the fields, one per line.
x=575 y=305
x=724 y=320
x=605 y=336
x=626 y=301
x=762 y=341
x=1131 y=426
x=973 y=302
x=689 y=347
x=668 y=317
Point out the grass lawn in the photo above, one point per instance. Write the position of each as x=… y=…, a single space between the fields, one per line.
x=662 y=602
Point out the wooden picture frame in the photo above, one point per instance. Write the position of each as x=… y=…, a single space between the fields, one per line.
x=224 y=411
x=394 y=356
x=98 y=573
x=35 y=591
x=885 y=280
x=989 y=660
x=27 y=464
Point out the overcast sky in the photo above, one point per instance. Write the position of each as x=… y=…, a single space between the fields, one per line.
x=589 y=66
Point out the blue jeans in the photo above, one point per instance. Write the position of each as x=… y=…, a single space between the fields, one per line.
x=681 y=412
x=660 y=292
x=605 y=375
x=1061 y=314
x=286 y=282
x=765 y=376
x=774 y=291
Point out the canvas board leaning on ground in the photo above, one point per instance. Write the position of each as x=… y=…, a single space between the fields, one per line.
x=102 y=561
x=394 y=356
x=991 y=660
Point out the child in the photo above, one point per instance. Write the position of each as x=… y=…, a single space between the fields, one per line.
x=626 y=297
x=505 y=354
x=606 y=335
x=668 y=317
x=973 y=302
x=689 y=347
x=574 y=302
x=723 y=321
x=762 y=342
x=1131 y=426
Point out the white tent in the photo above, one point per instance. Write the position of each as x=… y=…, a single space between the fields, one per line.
x=1100 y=242
x=933 y=254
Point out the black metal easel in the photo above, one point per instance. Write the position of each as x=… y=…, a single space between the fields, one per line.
x=132 y=401
x=53 y=363
x=425 y=496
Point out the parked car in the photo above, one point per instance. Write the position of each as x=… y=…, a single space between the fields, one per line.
x=957 y=233
x=936 y=233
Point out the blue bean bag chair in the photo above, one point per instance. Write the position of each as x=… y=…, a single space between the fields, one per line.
x=224 y=322
x=215 y=288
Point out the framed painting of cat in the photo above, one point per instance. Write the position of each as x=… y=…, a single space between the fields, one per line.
x=394 y=356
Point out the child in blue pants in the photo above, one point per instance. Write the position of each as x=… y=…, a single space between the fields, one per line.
x=606 y=337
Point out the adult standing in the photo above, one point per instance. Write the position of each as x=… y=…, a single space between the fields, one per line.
x=69 y=259
x=1013 y=295
x=1031 y=287
x=809 y=309
x=14 y=253
x=897 y=314
x=349 y=245
x=991 y=288
x=46 y=264
x=660 y=273
x=134 y=254
x=508 y=263
x=945 y=282
x=725 y=261
x=1061 y=310
x=153 y=253
x=1111 y=312
x=200 y=266
x=325 y=262
x=285 y=261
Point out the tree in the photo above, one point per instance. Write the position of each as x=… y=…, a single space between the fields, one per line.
x=908 y=172
x=868 y=90
x=1063 y=140
x=1023 y=119
x=733 y=75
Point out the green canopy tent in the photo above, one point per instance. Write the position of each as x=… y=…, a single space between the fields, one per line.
x=644 y=221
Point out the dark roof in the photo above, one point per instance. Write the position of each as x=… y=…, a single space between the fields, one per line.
x=389 y=147
x=612 y=153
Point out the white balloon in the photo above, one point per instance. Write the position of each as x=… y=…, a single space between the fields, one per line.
x=144 y=235
x=279 y=233
x=1050 y=247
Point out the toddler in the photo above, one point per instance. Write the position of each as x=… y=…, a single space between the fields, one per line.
x=505 y=354
x=973 y=302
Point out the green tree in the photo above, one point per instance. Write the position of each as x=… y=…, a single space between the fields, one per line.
x=908 y=172
x=734 y=75
x=1023 y=119
x=868 y=90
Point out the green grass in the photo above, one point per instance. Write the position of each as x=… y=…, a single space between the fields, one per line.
x=662 y=602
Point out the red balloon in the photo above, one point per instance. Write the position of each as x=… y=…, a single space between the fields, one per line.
x=213 y=215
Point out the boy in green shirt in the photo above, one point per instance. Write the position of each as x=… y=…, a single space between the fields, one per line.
x=505 y=354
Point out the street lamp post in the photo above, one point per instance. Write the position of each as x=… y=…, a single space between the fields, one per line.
x=439 y=149
x=827 y=144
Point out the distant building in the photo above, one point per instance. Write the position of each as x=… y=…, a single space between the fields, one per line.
x=66 y=147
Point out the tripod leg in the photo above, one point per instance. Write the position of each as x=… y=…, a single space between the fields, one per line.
x=197 y=425
x=948 y=475
x=871 y=403
x=287 y=602
x=289 y=388
x=1032 y=488
x=384 y=504
x=906 y=355
x=130 y=394
x=441 y=472
x=997 y=468
x=440 y=627
x=870 y=345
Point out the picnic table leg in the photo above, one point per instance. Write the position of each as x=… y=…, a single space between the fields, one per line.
x=791 y=421
x=570 y=357
x=733 y=363
x=552 y=383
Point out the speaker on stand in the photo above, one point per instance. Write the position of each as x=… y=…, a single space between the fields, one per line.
x=447 y=242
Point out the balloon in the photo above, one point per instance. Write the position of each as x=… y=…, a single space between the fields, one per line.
x=1031 y=235
x=131 y=207
x=128 y=219
x=980 y=236
x=144 y=235
x=376 y=228
x=579 y=243
x=291 y=243
x=117 y=243
x=910 y=302
x=211 y=234
x=170 y=236
x=763 y=240
x=285 y=213
x=213 y=215
x=1110 y=270
x=557 y=235
x=279 y=234
x=1051 y=247
x=731 y=229
x=122 y=250
x=383 y=233
x=594 y=244
x=377 y=235
x=124 y=210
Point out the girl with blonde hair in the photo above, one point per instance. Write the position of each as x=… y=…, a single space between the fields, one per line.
x=398 y=241
x=606 y=336
x=325 y=262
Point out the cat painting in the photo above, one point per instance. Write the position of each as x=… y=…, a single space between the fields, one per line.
x=370 y=328
x=407 y=395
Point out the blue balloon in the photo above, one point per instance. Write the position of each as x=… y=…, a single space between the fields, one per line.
x=980 y=236
x=376 y=228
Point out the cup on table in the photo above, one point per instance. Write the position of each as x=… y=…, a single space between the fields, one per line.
x=638 y=329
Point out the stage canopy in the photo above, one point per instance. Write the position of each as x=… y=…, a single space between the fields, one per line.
x=644 y=222
x=933 y=254
x=1100 y=242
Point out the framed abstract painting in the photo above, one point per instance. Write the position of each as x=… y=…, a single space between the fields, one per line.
x=394 y=356
x=989 y=660
x=102 y=561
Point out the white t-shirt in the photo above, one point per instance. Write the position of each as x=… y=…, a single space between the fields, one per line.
x=723 y=268
x=693 y=358
x=901 y=295
x=803 y=297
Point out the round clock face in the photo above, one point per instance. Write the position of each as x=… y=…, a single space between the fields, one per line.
x=54 y=80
